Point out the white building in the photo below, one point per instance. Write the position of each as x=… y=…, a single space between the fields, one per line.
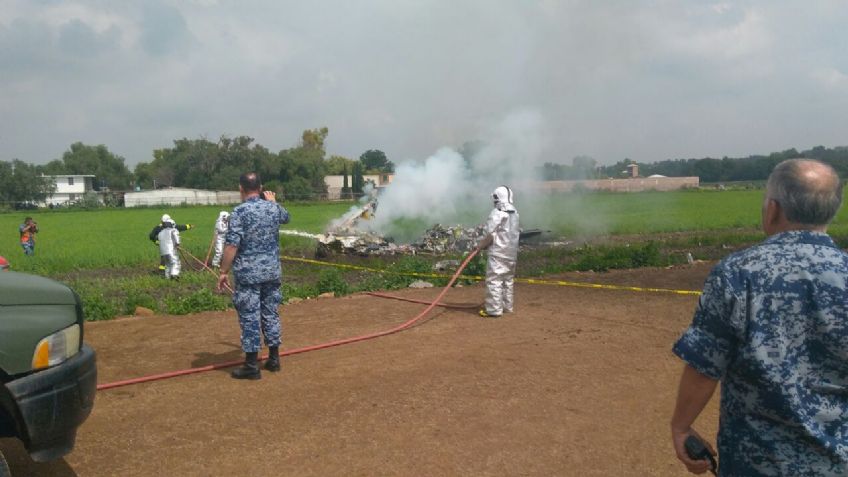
x=70 y=188
x=181 y=196
x=335 y=183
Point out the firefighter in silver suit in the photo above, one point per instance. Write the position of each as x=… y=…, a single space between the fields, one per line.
x=501 y=242
x=169 y=242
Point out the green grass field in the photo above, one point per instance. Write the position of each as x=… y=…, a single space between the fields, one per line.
x=69 y=241
x=655 y=212
x=106 y=256
x=115 y=238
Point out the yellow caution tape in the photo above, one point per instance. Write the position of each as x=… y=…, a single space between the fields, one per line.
x=532 y=281
x=606 y=287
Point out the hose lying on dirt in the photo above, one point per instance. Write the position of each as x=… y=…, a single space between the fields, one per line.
x=413 y=300
x=330 y=344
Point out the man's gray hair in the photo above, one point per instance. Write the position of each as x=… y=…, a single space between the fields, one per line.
x=806 y=200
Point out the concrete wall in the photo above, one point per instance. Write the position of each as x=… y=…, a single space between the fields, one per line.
x=335 y=183
x=633 y=184
x=637 y=184
x=179 y=196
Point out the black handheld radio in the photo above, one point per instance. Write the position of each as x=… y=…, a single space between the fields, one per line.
x=698 y=451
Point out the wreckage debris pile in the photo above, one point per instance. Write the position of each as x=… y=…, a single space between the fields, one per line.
x=441 y=239
x=437 y=240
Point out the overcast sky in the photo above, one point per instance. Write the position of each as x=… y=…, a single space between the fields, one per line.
x=648 y=80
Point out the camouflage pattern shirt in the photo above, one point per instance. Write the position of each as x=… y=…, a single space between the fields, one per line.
x=772 y=325
x=255 y=231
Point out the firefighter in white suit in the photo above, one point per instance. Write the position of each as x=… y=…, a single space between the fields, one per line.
x=221 y=226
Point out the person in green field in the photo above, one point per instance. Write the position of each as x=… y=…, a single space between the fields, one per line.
x=154 y=237
x=28 y=229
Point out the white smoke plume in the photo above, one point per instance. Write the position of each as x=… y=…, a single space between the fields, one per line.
x=434 y=190
x=368 y=193
x=450 y=188
x=511 y=151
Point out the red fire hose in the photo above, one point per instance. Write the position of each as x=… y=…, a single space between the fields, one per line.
x=413 y=300
x=211 y=367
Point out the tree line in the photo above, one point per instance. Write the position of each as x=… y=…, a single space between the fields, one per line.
x=297 y=172
x=726 y=169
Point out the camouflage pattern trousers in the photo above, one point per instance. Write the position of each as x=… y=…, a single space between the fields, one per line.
x=258 y=310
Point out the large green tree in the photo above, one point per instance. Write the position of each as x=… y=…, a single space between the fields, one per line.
x=357 y=181
x=109 y=169
x=336 y=165
x=345 y=186
x=144 y=173
x=203 y=164
x=374 y=160
x=300 y=166
x=314 y=139
x=301 y=169
x=22 y=182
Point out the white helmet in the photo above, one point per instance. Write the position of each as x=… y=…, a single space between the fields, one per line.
x=503 y=198
x=224 y=215
x=166 y=218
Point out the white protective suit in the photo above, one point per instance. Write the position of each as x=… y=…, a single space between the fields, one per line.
x=221 y=227
x=169 y=240
x=502 y=230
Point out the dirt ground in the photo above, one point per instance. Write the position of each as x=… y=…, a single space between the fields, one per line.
x=576 y=382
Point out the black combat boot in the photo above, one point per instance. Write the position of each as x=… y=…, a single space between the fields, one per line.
x=250 y=368
x=273 y=362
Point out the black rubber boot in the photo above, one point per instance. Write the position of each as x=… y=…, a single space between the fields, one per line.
x=250 y=368
x=273 y=362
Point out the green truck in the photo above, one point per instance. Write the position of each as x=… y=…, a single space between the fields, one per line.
x=48 y=376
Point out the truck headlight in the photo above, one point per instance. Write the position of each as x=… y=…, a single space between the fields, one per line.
x=57 y=347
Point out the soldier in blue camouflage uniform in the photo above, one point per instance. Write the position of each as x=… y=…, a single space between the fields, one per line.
x=772 y=326
x=252 y=250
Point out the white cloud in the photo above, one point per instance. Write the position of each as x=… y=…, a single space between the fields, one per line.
x=648 y=79
x=830 y=77
x=721 y=8
x=62 y=13
x=738 y=40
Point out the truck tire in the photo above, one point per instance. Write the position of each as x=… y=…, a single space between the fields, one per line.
x=4 y=468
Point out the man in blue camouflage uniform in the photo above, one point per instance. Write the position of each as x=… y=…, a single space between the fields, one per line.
x=252 y=250
x=772 y=326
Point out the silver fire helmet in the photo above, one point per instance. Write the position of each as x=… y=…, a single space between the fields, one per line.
x=502 y=196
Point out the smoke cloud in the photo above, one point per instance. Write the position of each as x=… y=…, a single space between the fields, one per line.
x=453 y=188
x=431 y=191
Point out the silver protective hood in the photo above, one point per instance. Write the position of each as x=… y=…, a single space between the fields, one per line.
x=503 y=199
